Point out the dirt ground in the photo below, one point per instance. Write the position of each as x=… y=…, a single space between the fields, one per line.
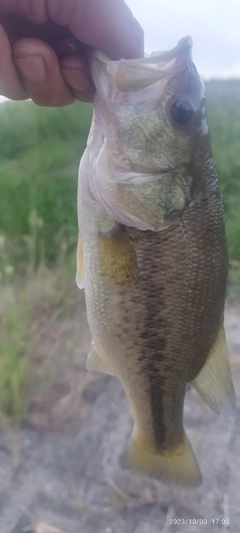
x=60 y=472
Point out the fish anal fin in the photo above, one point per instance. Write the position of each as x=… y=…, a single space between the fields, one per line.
x=95 y=361
x=117 y=257
x=177 y=466
x=214 y=381
x=80 y=264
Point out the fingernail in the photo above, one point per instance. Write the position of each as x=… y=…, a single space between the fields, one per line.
x=31 y=67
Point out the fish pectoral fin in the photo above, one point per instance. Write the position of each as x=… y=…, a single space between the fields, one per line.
x=80 y=264
x=177 y=466
x=95 y=361
x=117 y=258
x=214 y=381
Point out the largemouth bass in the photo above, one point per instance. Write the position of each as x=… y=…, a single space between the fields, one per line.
x=152 y=252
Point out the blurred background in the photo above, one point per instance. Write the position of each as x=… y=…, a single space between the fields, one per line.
x=44 y=338
x=213 y=26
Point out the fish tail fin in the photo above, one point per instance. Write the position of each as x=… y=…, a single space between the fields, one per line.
x=177 y=466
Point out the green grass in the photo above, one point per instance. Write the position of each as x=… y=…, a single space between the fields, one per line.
x=14 y=353
x=40 y=151
x=223 y=100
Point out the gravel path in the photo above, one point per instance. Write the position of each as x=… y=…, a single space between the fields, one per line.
x=66 y=482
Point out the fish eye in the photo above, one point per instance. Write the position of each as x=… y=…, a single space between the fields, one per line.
x=182 y=111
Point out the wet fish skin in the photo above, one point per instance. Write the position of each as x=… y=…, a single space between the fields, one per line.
x=155 y=298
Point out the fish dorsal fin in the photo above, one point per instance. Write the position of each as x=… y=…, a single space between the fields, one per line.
x=80 y=264
x=95 y=361
x=214 y=381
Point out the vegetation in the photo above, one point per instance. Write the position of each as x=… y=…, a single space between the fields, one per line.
x=224 y=121
x=39 y=156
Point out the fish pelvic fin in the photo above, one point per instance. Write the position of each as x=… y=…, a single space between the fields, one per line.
x=176 y=466
x=80 y=264
x=214 y=381
x=117 y=257
x=95 y=361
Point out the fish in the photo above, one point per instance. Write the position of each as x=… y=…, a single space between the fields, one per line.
x=152 y=253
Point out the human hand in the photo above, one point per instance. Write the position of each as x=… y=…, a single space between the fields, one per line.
x=43 y=46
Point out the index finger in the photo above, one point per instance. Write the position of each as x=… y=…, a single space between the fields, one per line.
x=105 y=24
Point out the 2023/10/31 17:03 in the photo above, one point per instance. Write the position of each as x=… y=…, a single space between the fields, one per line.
x=199 y=521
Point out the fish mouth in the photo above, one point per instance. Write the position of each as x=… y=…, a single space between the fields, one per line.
x=135 y=74
x=183 y=46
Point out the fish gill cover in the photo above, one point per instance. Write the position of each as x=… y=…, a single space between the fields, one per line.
x=129 y=110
